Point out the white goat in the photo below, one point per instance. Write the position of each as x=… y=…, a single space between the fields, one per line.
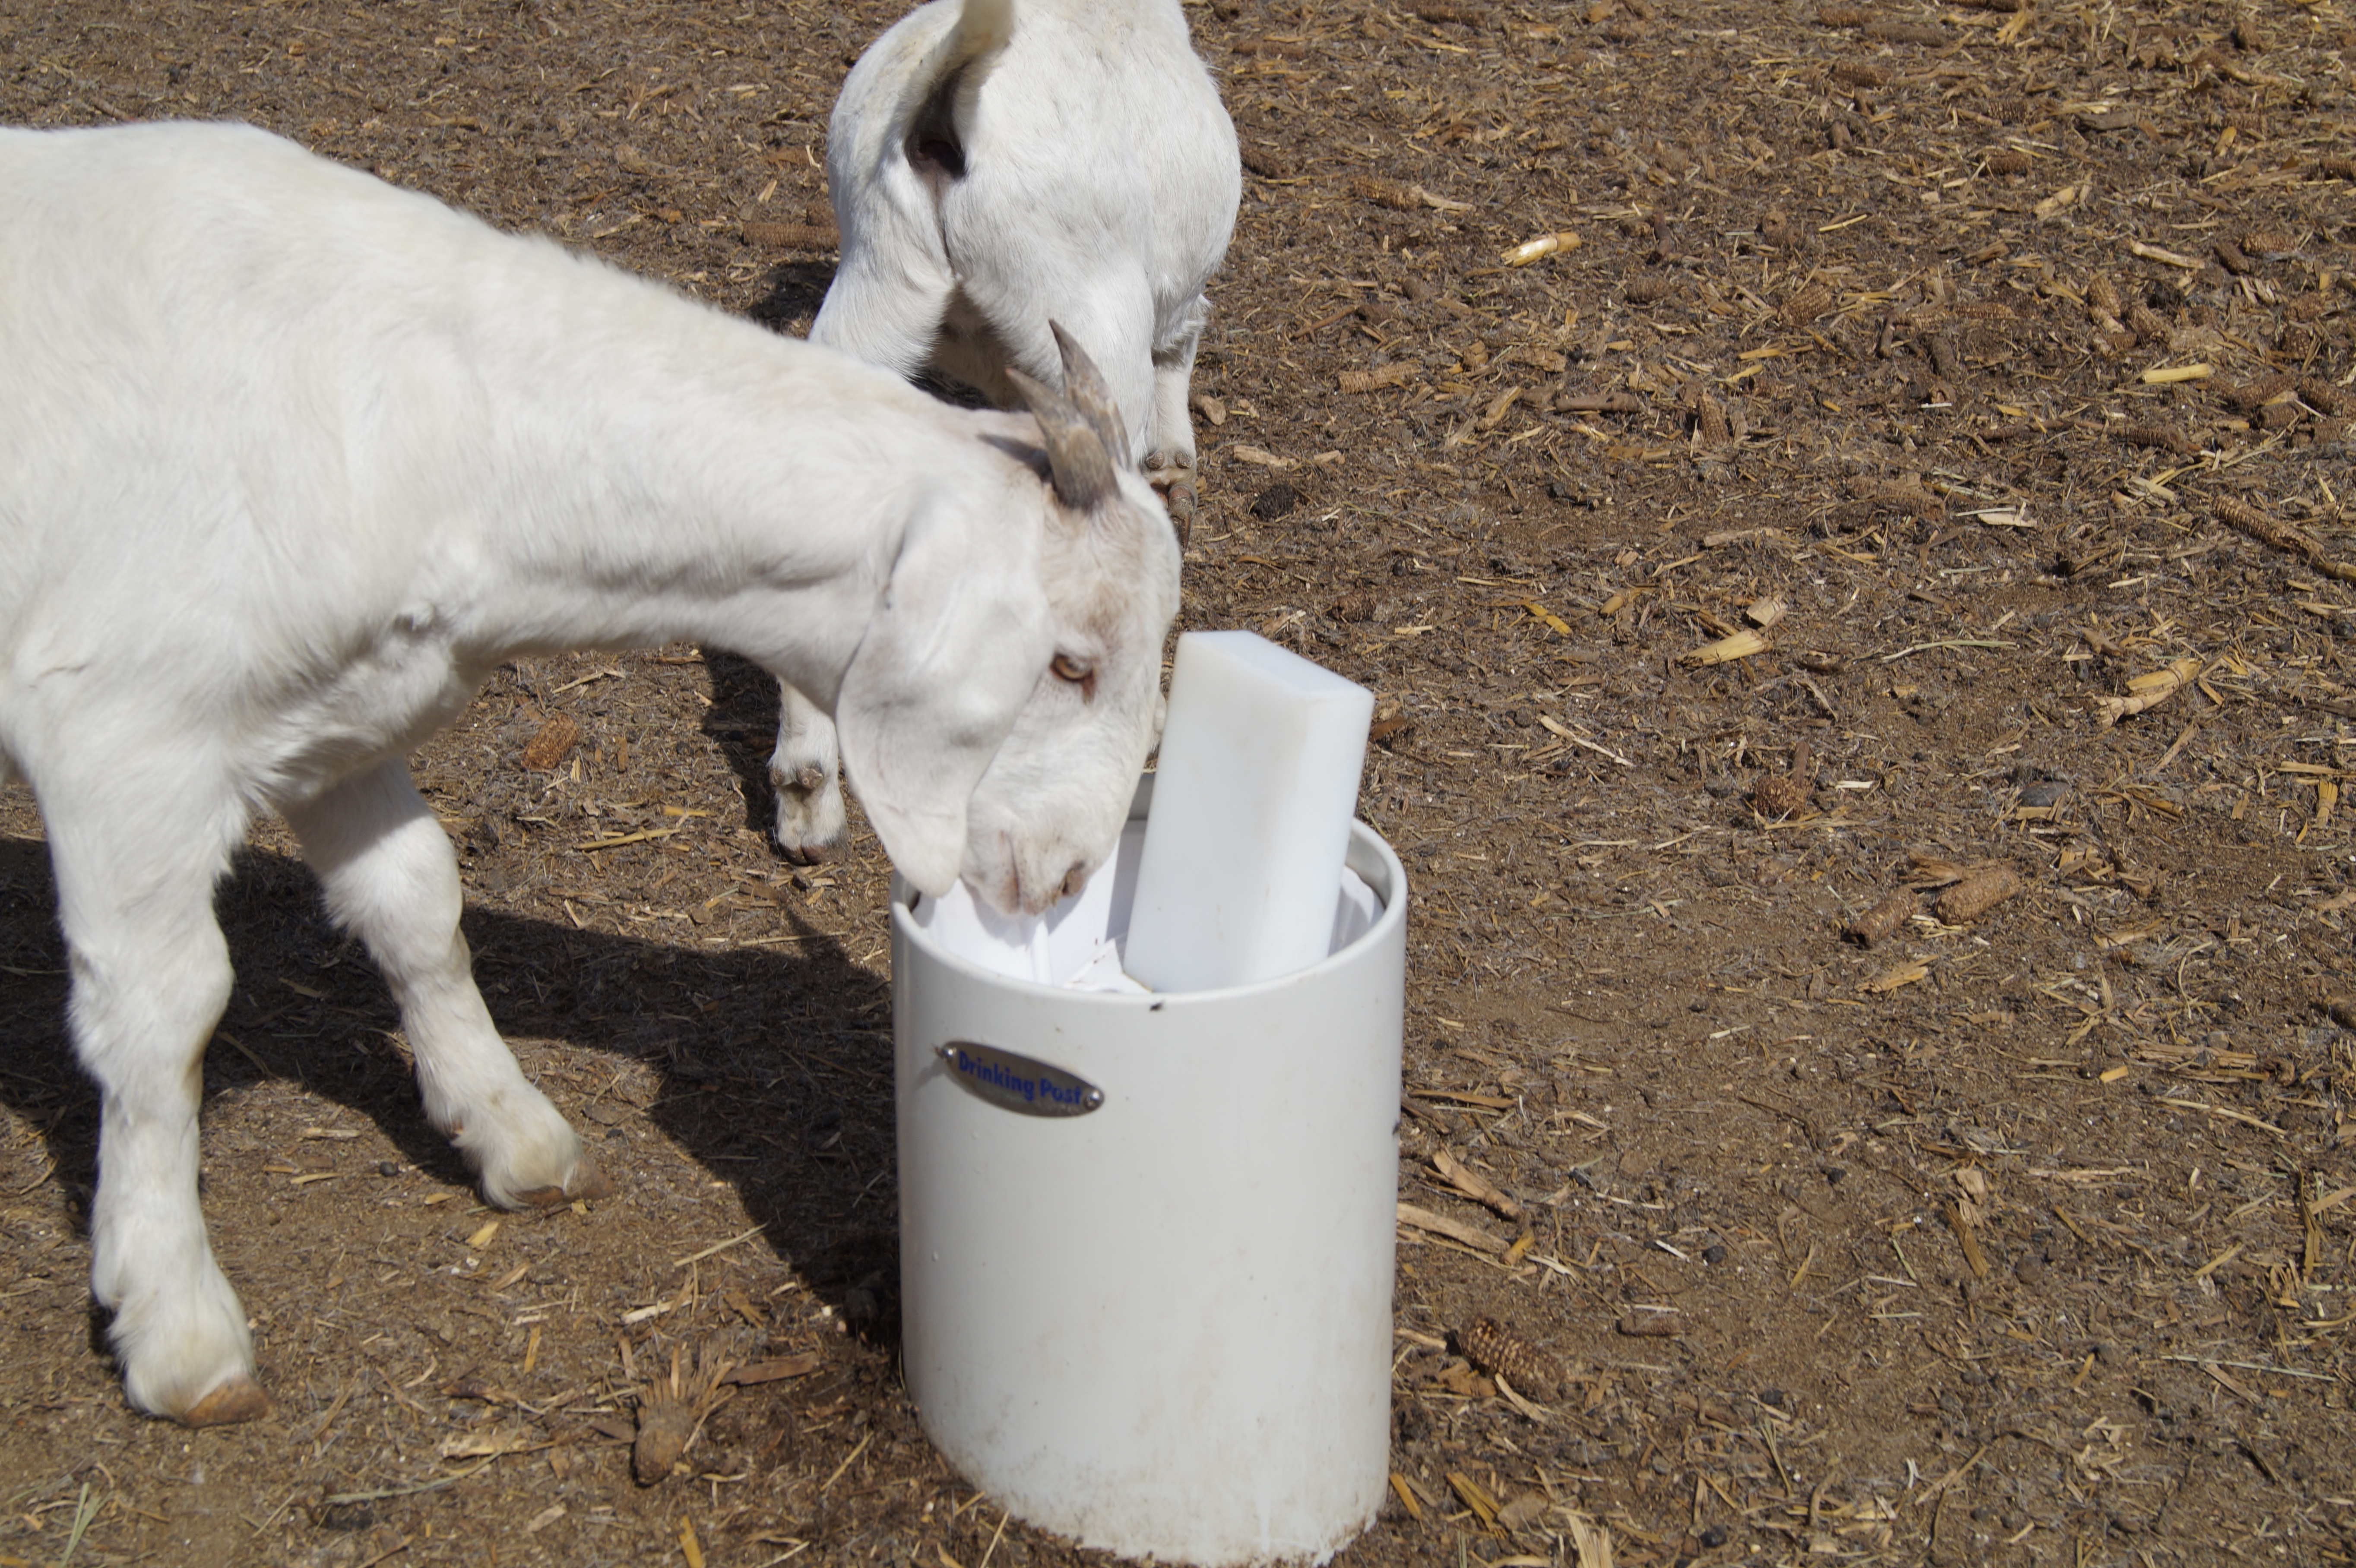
x=293 y=459
x=994 y=160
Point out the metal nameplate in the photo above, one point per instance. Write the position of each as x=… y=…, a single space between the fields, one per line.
x=1017 y=1082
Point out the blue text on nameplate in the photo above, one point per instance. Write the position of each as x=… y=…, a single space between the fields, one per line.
x=1019 y=1082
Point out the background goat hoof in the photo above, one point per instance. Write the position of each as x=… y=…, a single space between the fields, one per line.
x=588 y=1181
x=813 y=854
x=239 y=1398
x=809 y=800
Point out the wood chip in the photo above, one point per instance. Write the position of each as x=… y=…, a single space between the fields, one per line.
x=1496 y=410
x=1904 y=975
x=774 y=1370
x=1926 y=870
x=1967 y=1237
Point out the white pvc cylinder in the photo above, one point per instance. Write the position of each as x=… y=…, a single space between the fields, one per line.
x=1161 y=1326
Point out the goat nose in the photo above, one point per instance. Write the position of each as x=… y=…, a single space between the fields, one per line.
x=1074 y=881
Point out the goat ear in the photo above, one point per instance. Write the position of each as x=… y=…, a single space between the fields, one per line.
x=950 y=656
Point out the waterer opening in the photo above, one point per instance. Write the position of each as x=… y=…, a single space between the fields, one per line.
x=1368 y=858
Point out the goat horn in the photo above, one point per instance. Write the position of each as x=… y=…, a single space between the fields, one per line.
x=1085 y=384
x=1078 y=461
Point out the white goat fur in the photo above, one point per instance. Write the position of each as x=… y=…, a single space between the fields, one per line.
x=993 y=162
x=294 y=459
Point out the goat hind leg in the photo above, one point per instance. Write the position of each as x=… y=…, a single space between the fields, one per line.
x=391 y=879
x=150 y=974
x=1169 y=464
x=806 y=773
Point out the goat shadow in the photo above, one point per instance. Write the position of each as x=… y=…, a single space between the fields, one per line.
x=791 y=294
x=772 y=1064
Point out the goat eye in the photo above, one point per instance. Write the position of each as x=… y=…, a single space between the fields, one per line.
x=1078 y=671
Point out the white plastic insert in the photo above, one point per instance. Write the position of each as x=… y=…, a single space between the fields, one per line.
x=1253 y=800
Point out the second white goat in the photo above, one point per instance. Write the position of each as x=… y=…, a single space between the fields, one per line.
x=993 y=162
x=294 y=459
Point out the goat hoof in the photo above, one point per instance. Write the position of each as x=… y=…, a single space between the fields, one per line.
x=239 y=1398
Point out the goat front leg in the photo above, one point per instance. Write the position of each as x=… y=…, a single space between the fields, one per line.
x=805 y=769
x=391 y=879
x=150 y=974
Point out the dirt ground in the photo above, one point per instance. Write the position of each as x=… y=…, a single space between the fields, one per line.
x=1910 y=382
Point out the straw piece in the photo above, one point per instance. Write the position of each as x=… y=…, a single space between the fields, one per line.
x=1473 y=1185
x=1545 y=245
x=1740 y=645
x=1454 y=1229
x=1475 y=1498
x=1891 y=979
x=2147 y=691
